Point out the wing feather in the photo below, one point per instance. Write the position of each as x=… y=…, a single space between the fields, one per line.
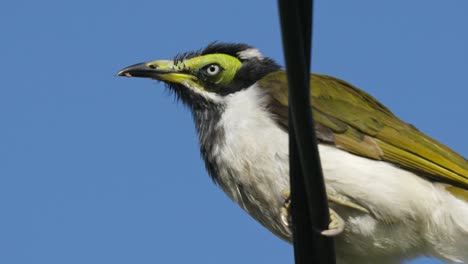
x=354 y=121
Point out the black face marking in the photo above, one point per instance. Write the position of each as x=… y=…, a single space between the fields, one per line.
x=250 y=72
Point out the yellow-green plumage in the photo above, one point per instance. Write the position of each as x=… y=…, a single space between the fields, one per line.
x=363 y=126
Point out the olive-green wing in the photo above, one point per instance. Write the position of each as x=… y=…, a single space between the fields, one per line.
x=354 y=121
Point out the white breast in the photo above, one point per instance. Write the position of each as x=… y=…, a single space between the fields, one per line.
x=254 y=158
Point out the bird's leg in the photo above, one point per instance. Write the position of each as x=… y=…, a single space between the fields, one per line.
x=336 y=225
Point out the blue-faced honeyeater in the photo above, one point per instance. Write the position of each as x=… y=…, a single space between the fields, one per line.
x=394 y=192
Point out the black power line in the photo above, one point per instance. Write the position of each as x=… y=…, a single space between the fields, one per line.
x=309 y=205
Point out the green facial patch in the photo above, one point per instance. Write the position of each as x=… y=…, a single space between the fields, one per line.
x=229 y=67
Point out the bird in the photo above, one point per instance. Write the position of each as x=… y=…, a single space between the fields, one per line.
x=394 y=192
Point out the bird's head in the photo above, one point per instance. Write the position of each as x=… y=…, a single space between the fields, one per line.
x=203 y=78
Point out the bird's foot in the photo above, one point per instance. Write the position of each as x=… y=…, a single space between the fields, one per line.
x=285 y=209
x=336 y=225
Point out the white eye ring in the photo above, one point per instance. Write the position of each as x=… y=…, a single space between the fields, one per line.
x=213 y=69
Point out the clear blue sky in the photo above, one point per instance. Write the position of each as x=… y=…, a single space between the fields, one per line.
x=99 y=169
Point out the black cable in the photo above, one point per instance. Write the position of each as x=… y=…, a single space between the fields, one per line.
x=308 y=197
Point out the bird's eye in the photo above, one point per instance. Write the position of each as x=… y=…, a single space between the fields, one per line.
x=212 y=69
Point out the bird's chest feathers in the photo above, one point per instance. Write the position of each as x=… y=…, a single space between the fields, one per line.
x=252 y=160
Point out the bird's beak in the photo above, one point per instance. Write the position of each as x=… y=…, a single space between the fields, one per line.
x=162 y=70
